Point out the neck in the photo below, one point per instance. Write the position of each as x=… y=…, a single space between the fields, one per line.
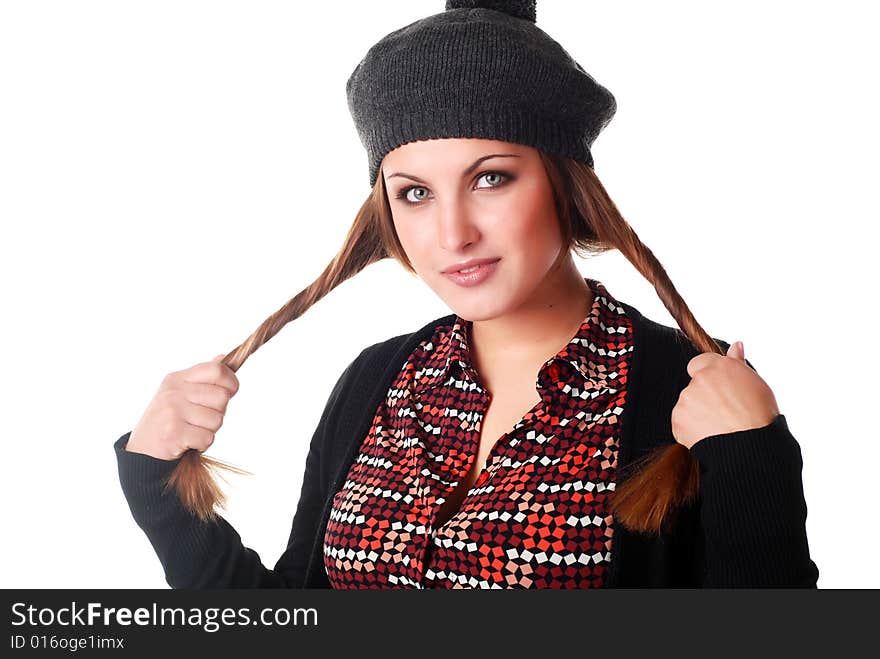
x=539 y=328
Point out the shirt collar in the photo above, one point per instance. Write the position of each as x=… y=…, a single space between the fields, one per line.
x=572 y=365
x=451 y=354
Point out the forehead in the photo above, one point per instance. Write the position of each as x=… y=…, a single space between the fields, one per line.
x=436 y=154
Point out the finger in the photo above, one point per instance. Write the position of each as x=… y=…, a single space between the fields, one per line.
x=201 y=416
x=207 y=395
x=213 y=372
x=701 y=361
x=737 y=351
x=197 y=437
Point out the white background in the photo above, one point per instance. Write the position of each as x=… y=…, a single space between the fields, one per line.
x=172 y=172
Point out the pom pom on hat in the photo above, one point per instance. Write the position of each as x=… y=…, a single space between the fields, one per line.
x=524 y=9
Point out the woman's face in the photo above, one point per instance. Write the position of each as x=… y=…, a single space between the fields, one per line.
x=452 y=203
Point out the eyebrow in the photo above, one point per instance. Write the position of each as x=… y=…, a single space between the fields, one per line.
x=466 y=172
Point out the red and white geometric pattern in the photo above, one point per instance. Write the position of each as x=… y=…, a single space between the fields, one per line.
x=534 y=518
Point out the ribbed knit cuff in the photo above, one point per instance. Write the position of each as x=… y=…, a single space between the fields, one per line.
x=772 y=446
x=143 y=480
x=475 y=120
x=753 y=512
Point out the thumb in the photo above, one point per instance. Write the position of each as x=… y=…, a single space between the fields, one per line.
x=218 y=358
x=737 y=351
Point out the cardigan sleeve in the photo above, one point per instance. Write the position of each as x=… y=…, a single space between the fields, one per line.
x=752 y=511
x=200 y=554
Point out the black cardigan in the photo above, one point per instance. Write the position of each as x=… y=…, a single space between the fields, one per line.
x=746 y=529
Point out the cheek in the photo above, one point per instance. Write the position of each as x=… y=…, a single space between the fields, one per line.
x=415 y=244
x=533 y=230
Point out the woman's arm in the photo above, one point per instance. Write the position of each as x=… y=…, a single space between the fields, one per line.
x=753 y=512
x=199 y=554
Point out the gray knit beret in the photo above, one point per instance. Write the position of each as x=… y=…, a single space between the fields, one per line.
x=478 y=69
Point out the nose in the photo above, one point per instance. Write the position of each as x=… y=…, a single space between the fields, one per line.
x=456 y=228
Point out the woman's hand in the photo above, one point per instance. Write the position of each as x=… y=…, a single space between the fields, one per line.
x=724 y=395
x=186 y=412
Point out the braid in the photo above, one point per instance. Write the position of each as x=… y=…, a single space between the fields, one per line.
x=193 y=477
x=668 y=477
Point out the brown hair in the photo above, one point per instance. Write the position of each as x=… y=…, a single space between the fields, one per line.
x=664 y=479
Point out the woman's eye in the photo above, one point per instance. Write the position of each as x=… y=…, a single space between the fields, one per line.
x=495 y=179
x=406 y=197
x=496 y=175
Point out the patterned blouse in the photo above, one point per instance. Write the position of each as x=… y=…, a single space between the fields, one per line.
x=535 y=516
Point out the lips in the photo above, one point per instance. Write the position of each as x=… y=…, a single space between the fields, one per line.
x=466 y=265
x=474 y=275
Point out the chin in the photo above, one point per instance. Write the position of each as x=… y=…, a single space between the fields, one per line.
x=478 y=307
x=475 y=303
x=467 y=315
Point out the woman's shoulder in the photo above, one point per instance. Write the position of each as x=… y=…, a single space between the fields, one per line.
x=661 y=343
x=387 y=349
x=379 y=361
x=367 y=376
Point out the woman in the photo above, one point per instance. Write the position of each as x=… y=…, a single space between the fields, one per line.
x=545 y=434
